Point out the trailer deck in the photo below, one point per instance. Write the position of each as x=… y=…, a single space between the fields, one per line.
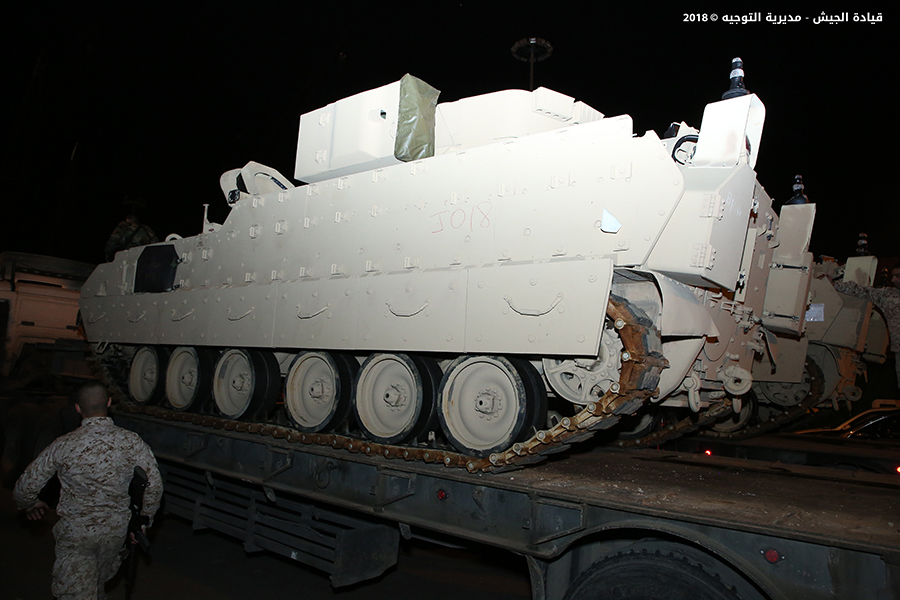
x=785 y=528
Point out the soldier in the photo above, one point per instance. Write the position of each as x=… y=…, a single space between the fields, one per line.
x=130 y=233
x=887 y=300
x=95 y=464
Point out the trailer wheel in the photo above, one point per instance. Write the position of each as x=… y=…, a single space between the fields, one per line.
x=645 y=574
x=487 y=403
x=246 y=383
x=317 y=390
x=146 y=376
x=189 y=377
x=395 y=396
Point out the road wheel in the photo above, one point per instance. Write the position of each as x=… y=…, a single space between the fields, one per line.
x=246 y=383
x=395 y=397
x=146 y=377
x=189 y=377
x=318 y=390
x=487 y=403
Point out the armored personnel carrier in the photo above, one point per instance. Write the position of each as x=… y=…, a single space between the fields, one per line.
x=444 y=269
x=816 y=370
x=39 y=298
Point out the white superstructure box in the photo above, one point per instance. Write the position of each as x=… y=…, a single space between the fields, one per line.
x=506 y=115
x=402 y=121
x=351 y=135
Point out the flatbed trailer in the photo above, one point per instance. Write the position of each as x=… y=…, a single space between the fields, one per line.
x=864 y=455
x=595 y=524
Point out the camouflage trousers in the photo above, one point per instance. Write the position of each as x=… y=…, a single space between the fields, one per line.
x=87 y=556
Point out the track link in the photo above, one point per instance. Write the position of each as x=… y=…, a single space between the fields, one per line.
x=813 y=398
x=701 y=423
x=642 y=364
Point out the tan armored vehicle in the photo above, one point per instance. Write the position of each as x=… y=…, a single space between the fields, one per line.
x=819 y=368
x=43 y=354
x=445 y=267
x=38 y=314
x=840 y=331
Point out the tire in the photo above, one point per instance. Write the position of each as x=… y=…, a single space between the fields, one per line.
x=659 y=571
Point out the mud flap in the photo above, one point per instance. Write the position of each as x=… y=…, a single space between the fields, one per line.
x=347 y=547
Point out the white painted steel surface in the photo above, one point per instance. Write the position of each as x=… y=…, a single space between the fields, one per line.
x=505 y=242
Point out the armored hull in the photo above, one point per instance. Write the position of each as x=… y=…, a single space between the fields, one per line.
x=447 y=268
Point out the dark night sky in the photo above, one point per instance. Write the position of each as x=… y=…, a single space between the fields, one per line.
x=157 y=102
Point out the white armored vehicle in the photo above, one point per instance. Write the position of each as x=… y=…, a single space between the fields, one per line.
x=444 y=268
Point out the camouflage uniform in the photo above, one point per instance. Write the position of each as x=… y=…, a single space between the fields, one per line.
x=128 y=235
x=888 y=301
x=95 y=464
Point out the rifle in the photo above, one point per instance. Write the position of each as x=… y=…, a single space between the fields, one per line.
x=139 y=483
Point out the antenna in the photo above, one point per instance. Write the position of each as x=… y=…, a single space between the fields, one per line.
x=737 y=80
x=531 y=50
